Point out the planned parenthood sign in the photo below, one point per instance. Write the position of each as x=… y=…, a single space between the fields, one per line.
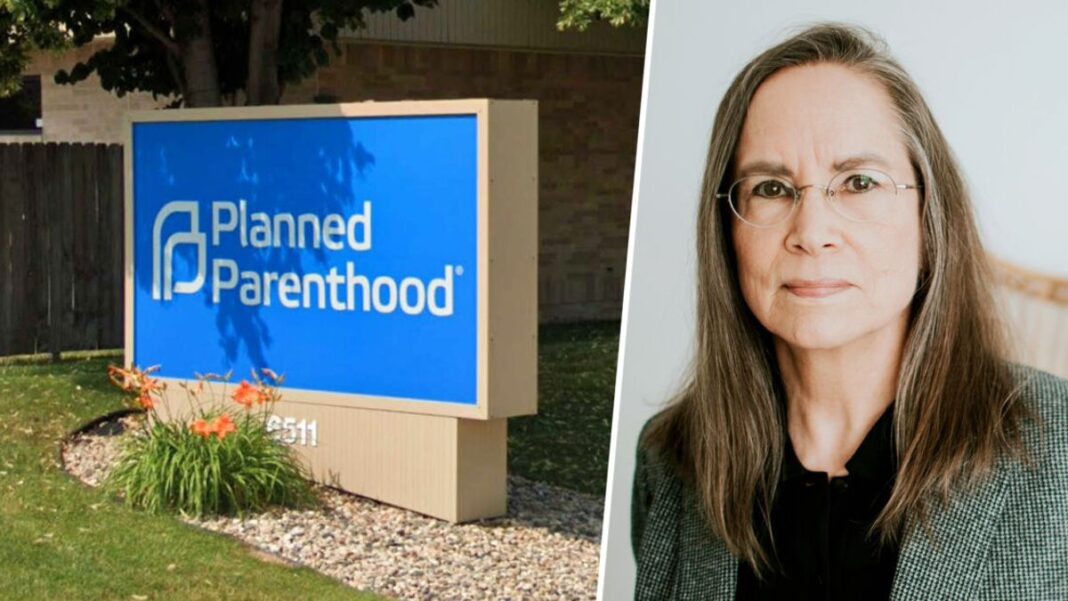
x=347 y=249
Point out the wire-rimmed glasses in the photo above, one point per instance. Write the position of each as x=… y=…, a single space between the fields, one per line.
x=860 y=195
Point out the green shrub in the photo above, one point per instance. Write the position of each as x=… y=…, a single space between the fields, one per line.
x=172 y=468
x=211 y=464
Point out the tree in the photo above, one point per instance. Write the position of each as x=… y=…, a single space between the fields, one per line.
x=173 y=47
x=22 y=31
x=578 y=14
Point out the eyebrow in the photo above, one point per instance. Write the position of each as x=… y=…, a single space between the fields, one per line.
x=779 y=169
x=862 y=159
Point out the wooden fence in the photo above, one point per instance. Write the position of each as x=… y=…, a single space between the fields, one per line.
x=61 y=245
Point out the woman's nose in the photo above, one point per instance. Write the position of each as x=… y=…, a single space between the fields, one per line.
x=814 y=226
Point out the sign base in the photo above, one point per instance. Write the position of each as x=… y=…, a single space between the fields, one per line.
x=446 y=467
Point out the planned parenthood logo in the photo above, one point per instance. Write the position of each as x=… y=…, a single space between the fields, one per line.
x=333 y=290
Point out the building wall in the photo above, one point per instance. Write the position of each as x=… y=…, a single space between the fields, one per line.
x=84 y=112
x=516 y=24
x=588 y=107
x=588 y=127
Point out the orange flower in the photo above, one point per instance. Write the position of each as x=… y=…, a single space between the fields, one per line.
x=137 y=382
x=201 y=428
x=224 y=425
x=145 y=400
x=247 y=395
x=151 y=385
x=120 y=377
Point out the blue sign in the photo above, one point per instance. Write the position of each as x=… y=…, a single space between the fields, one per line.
x=339 y=251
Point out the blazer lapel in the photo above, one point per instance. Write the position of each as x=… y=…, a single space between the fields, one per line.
x=952 y=566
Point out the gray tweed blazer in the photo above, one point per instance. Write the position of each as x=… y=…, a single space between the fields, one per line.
x=1006 y=540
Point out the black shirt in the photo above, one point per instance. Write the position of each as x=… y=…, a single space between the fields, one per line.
x=820 y=527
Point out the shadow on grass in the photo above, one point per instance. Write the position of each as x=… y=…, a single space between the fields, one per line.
x=566 y=444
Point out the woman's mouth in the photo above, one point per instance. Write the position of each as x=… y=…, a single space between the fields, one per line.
x=816 y=288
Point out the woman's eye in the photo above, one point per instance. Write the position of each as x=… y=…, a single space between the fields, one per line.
x=770 y=189
x=860 y=183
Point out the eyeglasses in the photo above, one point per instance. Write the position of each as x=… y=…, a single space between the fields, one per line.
x=861 y=195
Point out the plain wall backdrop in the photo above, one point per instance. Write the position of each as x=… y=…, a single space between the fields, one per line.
x=996 y=77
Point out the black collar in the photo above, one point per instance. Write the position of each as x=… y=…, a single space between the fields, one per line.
x=874 y=460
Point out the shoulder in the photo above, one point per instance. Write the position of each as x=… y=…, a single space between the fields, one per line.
x=1040 y=489
x=1045 y=395
x=657 y=487
x=652 y=463
x=656 y=517
x=1032 y=533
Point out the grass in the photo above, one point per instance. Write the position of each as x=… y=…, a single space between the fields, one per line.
x=63 y=540
x=567 y=442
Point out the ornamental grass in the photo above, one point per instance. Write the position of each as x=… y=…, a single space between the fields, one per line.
x=221 y=460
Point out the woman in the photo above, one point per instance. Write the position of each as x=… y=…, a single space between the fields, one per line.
x=851 y=427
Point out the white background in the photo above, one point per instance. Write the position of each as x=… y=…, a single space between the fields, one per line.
x=994 y=73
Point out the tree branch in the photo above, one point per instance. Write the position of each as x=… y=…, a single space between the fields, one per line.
x=170 y=45
x=176 y=73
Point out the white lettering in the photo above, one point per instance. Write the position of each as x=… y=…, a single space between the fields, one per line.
x=288 y=284
x=444 y=284
x=420 y=296
x=314 y=278
x=242 y=209
x=218 y=284
x=334 y=280
x=308 y=219
x=218 y=227
x=268 y=277
x=333 y=225
x=250 y=290
x=376 y=294
x=279 y=220
x=346 y=292
x=363 y=220
x=260 y=232
x=352 y=280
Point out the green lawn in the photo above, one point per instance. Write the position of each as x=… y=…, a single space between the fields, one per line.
x=63 y=540
x=566 y=443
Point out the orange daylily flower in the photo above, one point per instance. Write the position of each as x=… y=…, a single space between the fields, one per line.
x=201 y=428
x=224 y=425
x=247 y=395
x=137 y=383
x=145 y=400
x=151 y=385
x=122 y=378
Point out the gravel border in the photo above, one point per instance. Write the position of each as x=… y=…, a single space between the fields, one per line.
x=547 y=547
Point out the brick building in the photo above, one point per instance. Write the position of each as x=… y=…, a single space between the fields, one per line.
x=588 y=88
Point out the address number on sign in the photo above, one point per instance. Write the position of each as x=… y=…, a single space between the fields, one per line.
x=291 y=431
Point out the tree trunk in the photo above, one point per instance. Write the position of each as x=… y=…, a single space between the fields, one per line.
x=198 y=61
x=265 y=26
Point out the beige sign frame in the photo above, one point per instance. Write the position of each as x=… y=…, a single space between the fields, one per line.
x=507 y=249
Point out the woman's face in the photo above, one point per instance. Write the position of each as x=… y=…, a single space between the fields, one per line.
x=818 y=280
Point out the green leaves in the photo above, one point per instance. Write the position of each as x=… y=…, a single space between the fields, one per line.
x=173 y=469
x=149 y=38
x=578 y=14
